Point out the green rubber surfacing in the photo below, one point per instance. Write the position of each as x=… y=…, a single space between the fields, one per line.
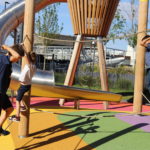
x=108 y=133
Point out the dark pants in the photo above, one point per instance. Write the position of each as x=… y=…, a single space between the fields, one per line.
x=148 y=80
x=21 y=91
x=4 y=102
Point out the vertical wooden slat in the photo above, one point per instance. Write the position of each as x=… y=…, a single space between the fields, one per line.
x=82 y=15
x=97 y=17
x=112 y=14
x=79 y=16
x=72 y=15
x=75 y=15
x=100 y=15
x=107 y=16
x=105 y=6
x=85 y=17
x=89 y=16
x=93 y=17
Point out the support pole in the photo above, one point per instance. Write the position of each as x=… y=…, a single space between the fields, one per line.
x=15 y=36
x=102 y=66
x=140 y=57
x=28 y=42
x=73 y=64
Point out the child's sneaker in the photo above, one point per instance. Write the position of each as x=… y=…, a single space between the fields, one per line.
x=14 y=118
x=23 y=108
x=4 y=132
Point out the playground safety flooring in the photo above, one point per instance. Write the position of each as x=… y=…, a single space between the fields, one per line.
x=89 y=128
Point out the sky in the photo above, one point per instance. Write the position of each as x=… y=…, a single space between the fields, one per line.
x=64 y=17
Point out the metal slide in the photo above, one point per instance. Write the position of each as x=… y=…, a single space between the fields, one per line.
x=43 y=82
x=42 y=86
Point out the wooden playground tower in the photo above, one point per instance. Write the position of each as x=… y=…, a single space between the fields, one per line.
x=90 y=18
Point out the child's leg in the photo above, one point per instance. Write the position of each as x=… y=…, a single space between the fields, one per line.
x=7 y=107
x=22 y=103
x=5 y=115
x=19 y=97
x=23 y=106
x=17 y=108
x=16 y=117
x=21 y=91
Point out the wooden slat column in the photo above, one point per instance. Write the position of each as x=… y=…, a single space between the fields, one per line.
x=102 y=66
x=140 y=57
x=28 y=42
x=73 y=64
x=92 y=17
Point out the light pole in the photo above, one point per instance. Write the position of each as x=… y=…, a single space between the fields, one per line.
x=6 y=4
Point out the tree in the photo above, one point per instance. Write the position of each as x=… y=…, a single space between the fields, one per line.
x=125 y=23
x=46 y=23
x=132 y=40
x=132 y=23
x=118 y=26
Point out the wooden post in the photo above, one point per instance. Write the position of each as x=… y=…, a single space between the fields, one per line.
x=15 y=36
x=73 y=64
x=77 y=104
x=140 y=57
x=15 y=42
x=102 y=66
x=28 y=42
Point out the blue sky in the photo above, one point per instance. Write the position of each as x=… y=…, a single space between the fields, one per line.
x=64 y=17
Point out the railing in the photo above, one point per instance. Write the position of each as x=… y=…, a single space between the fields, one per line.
x=65 y=52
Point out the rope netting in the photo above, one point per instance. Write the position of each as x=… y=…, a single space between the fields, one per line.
x=95 y=40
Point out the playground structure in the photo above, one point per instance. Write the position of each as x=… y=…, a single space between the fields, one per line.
x=11 y=19
x=15 y=16
x=89 y=18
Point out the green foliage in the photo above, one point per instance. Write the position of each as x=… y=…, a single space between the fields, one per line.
x=123 y=27
x=117 y=81
x=122 y=84
x=118 y=25
x=46 y=23
x=86 y=76
x=85 y=80
x=132 y=40
x=60 y=78
x=89 y=81
x=121 y=70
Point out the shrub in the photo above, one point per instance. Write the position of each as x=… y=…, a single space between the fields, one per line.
x=60 y=78
x=124 y=84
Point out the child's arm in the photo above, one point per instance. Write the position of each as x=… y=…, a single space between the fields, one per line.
x=23 y=74
x=145 y=42
x=26 y=59
x=14 y=55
